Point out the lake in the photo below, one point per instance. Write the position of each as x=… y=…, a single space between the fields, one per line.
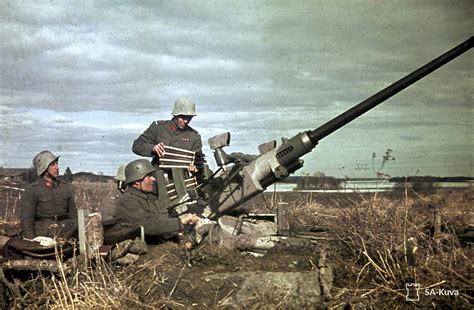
x=364 y=186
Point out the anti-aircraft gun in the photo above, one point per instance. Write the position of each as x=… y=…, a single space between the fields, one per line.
x=241 y=177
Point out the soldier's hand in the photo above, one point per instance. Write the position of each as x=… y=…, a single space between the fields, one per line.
x=159 y=149
x=192 y=168
x=187 y=219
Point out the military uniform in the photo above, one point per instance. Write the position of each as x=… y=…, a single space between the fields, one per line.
x=109 y=204
x=168 y=133
x=45 y=204
x=139 y=208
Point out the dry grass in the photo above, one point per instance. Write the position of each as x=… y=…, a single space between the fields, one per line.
x=10 y=196
x=77 y=285
x=91 y=282
x=81 y=282
x=90 y=194
x=388 y=243
x=381 y=244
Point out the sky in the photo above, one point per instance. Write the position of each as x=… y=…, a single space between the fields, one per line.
x=83 y=79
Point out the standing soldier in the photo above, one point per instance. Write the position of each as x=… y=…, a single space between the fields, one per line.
x=175 y=132
x=47 y=206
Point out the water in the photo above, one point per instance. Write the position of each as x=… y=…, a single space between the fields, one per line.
x=363 y=186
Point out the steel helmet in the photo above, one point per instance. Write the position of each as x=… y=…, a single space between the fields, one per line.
x=184 y=106
x=42 y=160
x=120 y=176
x=137 y=170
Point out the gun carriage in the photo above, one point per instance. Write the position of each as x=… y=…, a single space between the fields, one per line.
x=240 y=177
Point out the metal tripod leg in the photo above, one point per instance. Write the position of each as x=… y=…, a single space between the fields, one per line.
x=163 y=197
x=178 y=179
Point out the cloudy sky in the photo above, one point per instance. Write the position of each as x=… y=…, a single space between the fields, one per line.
x=85 y=78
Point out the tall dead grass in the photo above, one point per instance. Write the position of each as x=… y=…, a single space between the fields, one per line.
x=10 y=196
x=389 y=243
x=79 y=283
x=382 y=244
x=89 y=195
x=88 y=281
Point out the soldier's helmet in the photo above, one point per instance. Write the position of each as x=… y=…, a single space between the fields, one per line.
x=42 y=160
x=137 y=170
x=184 y=106
x=120 y=176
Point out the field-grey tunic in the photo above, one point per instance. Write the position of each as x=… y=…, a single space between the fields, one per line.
x=168 y=133
x=42 y=206
x=140 y=208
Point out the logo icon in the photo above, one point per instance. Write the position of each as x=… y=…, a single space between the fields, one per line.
x=412 y=291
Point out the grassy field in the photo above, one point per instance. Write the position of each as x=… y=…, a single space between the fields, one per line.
x=376 y=244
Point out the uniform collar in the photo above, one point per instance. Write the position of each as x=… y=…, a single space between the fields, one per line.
x=137 y=192
x=173 y=126
x=49 y=183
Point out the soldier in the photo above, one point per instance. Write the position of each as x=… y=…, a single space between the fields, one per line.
x=175 y=132
x=109 y=203
x=47 y=206
x=136 y=206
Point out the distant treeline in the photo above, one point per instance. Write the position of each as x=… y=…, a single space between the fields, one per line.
x=431 y=179
x=328 y=182
x=28 y=175
x=91 y=177
x=318 y=182
x=309 y=181
x=428 y=178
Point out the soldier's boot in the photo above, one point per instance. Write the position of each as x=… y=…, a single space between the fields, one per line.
x=138 y=247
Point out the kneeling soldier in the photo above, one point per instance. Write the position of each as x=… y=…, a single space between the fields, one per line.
x=138 y=206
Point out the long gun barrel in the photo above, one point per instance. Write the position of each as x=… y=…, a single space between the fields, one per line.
x=305 y=142
x=277 y=163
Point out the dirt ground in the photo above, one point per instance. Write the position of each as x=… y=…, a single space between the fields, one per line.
x=332 y=236
x=213 y=277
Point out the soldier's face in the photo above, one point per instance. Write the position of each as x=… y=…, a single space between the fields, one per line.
x=53 y=169
x=147 y=184
x=183 y=120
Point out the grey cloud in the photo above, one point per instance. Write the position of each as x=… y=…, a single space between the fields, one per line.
x=411 y=138
x=299 y=65
x=125 y=76
x=61 y=119
x=65 y=139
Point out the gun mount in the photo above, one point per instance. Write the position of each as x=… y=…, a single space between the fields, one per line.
x=241 y=177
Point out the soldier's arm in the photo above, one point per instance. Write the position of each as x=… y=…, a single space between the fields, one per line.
x=162 y=226
x=144 y=144
x=154 y=225
x=197 y=147
x=27 y=214
x=197 y=144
